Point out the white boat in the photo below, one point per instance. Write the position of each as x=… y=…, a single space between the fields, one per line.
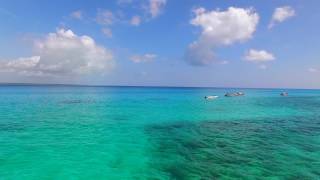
x=234 y=94
x=211 y=97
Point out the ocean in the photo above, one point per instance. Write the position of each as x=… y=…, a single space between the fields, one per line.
x=83 y=132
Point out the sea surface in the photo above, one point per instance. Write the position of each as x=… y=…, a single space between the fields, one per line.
x=79 y=132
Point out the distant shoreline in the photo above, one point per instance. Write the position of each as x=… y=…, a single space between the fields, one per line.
x=141 y=86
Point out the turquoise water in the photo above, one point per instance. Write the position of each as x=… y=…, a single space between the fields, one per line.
x=70 y=132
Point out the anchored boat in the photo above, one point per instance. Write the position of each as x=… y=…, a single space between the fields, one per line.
x=234 y=94
x=211 y=97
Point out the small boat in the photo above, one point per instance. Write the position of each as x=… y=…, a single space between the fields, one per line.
x=211 y=97
x=284 y=94
x=234 y=94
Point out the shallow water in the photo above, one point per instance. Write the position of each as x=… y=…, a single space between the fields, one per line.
x=71 y=132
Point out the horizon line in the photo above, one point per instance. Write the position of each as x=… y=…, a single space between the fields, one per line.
x=143 y=86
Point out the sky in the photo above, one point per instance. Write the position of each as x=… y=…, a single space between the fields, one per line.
x=202 y=43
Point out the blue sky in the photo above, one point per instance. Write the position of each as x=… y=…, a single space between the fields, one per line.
x=161 y=42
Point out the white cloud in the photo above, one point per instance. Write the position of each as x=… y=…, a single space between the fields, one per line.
x=226 y=27
x=105 y=17
x=107 y=32
x=313 y=70
x=135 y=20
x=61 y=54
x=143 y=58
x=254 y=55
x=20 y=64
x=76 y=15
x=155 y=7
x=281 y=14
x=220 y=28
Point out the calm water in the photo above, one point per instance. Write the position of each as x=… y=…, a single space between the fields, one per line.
x=60 y=132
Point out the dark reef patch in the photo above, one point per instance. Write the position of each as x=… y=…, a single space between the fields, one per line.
x=11 y=127
x=236 y=149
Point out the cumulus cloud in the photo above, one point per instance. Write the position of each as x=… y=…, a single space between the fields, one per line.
x=281 y=14
x=219 y=28
x=254 y=55
x=23 y=64
x=226 y=27
x=135 y=21
x=155 y=7
x=63 y=53
x=143 y=58
x=76 y=15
